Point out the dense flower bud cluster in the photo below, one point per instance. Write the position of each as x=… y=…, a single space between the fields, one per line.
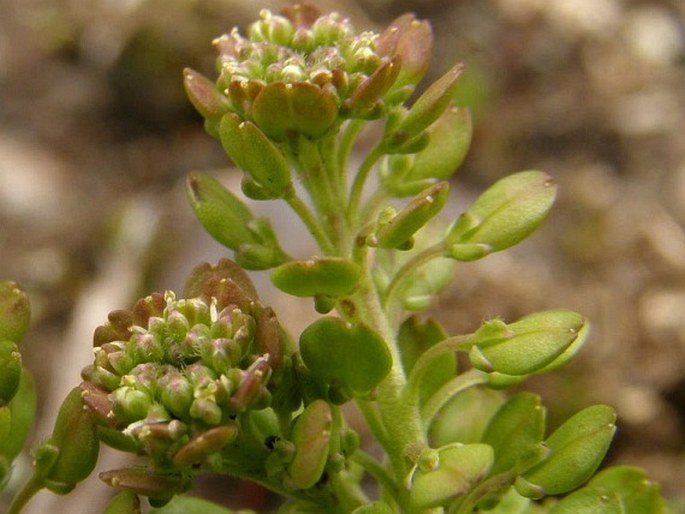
x=170 y=370
x=300 y=72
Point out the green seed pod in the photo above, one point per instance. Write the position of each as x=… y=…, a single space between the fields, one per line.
x=10 y=371
x=457 y=469
x=515 y=427
x=205 y=444
x=221 y=213
x=527 y=345
x=578 y=447
x=311 y=436
x=16 y=419
x=126 y=502
x=15 y=312
x=427 y=108
x=283 y=110
x=255 y=154
x=412 y=41
x=506 y=213
x=330 y=276
x=75 y=439
x=396 y=232
x=352 y=356
x=144 y=482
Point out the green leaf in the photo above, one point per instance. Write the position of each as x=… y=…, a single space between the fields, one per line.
x=505 y=214
x=182 y=504
x=636 y=491
x=578 y=448
x=352 y=356
x=590 y=500
x=517 y=425
x=327 y=276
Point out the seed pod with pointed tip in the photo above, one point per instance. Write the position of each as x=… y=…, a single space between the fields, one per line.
x=330 y=276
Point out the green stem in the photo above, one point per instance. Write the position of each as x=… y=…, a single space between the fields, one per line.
x=28 y=491
x=377 y=471
x=347 y=140
x=360 y=180
x=449 y=345
x=430 y=253
x=454 y=386
x=373 y=420
x=307 y=217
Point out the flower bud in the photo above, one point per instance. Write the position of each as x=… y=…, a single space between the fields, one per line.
x=311 y=436
x=399 y=230
x=75 y=439
x=457 y=468
x=204 y=95
x=506 y=213
x=528 y=345
x=331 y=276
x=176 y=393
x=578 y=447
x=130 y=404
x=15 y=312
x=10 y=371
x=227 y=282
x=367 y=95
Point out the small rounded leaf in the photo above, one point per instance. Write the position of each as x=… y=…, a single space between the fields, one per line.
x=353 y=356
x=328 y=276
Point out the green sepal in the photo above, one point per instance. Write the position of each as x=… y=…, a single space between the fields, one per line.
x=76 y=441
x=457 y=469
x=506 y=213
x=255 y=154
x=10 y=371
x=205 y=96
x=284 y=110
x=351 y=356
x=515 y=427
x=395 y=232
x=578 y=448
x=158 y=487
x=15 y=312
x=528 y=345
x=221 y=213
x=205 y=444
x=16 y=418
x=125 y=502
x=182 y=504
x=311 y=436
x=365 y=101
x=328 y=276
x=415 y=336
x=625 y=486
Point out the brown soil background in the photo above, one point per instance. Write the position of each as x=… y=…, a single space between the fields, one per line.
x=96 y=138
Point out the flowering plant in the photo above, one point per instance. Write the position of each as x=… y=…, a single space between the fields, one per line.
x=209 y=380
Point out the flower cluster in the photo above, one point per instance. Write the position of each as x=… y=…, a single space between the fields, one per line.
x=300 y=72
x=170 y=370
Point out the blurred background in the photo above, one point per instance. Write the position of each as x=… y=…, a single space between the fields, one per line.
x=96 y=138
